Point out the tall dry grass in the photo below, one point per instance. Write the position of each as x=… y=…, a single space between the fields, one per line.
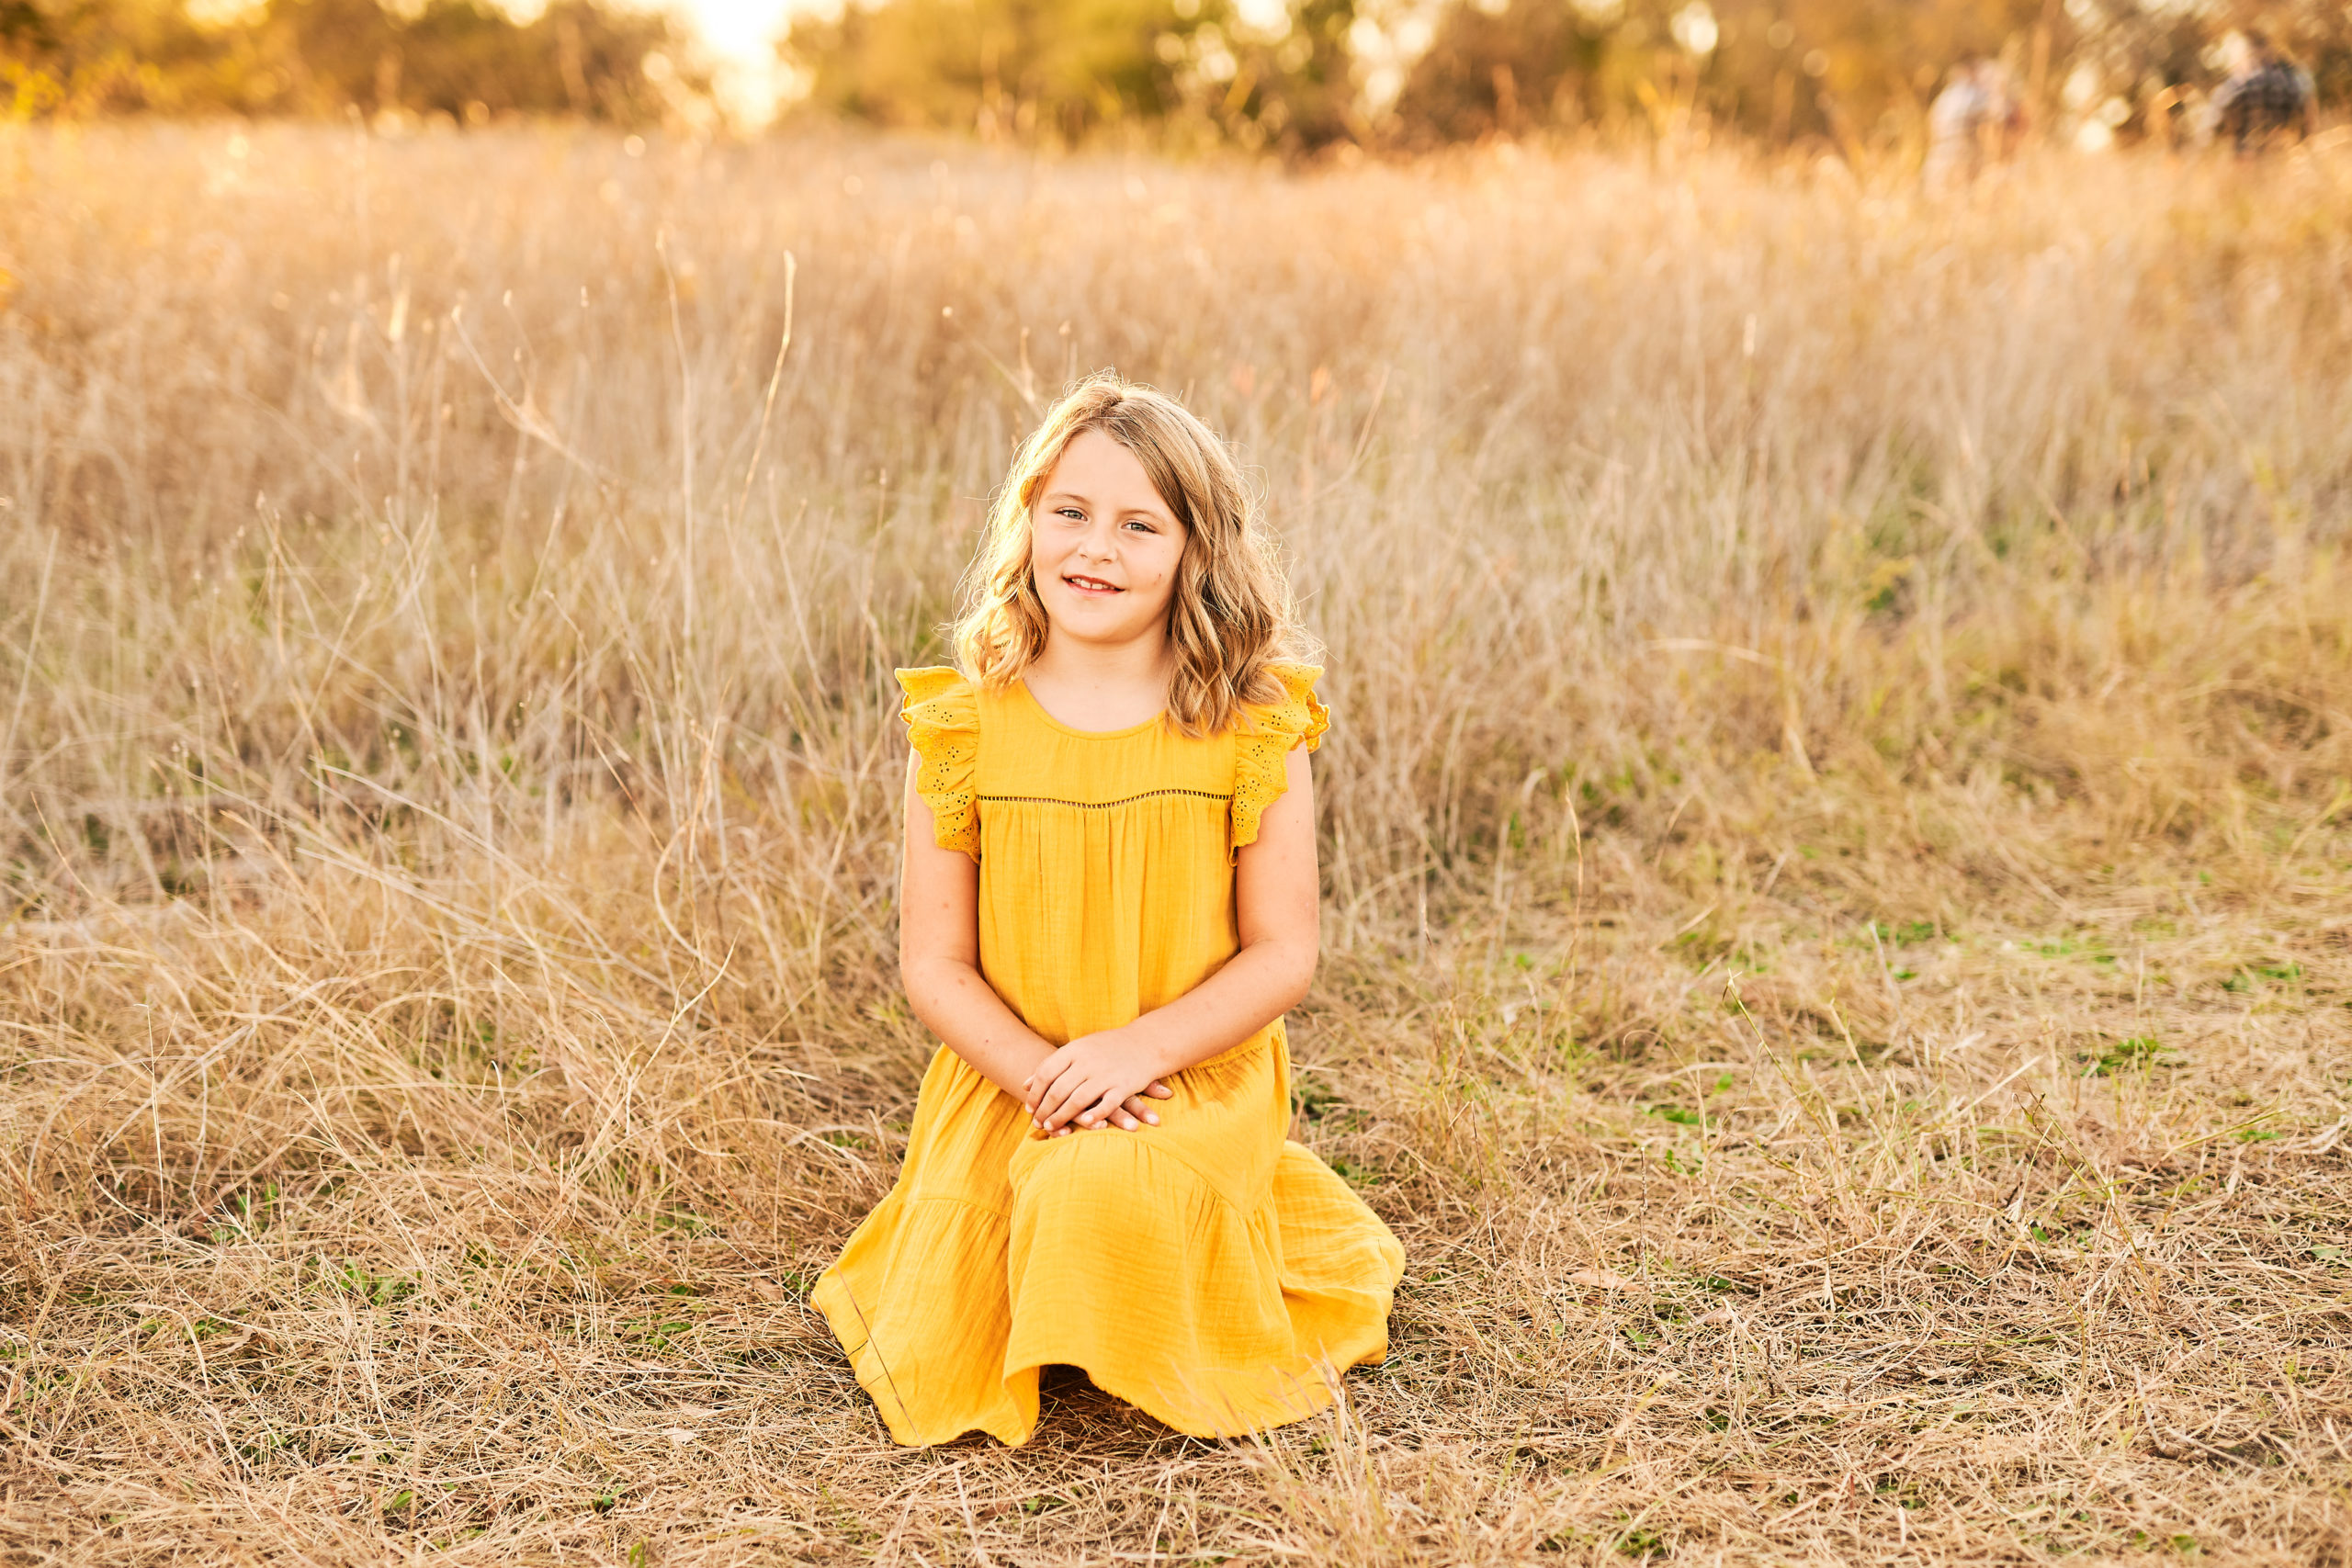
x=1837 y=840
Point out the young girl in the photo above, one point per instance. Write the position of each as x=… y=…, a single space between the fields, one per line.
x=1110 y=899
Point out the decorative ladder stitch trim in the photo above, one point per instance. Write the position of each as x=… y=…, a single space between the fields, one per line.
x=1102 y=805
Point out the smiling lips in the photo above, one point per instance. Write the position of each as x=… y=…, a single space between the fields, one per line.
x=1091 y=584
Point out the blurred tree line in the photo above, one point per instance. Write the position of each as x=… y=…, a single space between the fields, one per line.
x=467 y=59
x=1857 y=74
x=1275 y=74
x=1294 y=76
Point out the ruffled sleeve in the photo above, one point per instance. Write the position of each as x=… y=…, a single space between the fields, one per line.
x=943 y=718
x=1261 y=754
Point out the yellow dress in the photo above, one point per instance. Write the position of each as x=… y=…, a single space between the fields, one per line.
x=1206 y=1269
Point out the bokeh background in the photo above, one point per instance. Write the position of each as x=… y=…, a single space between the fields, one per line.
x=1295 y=76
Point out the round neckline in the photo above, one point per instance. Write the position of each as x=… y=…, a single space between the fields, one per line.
x=1039 y=709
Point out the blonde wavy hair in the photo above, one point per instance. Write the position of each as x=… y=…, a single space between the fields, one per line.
x=1232 y=613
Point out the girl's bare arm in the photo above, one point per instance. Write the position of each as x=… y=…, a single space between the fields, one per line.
x=939 y=964
x=1278 y=907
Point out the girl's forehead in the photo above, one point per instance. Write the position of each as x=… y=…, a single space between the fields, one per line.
x=1099 y=467
x=1097 y=453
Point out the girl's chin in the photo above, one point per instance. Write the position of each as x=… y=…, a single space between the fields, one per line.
x=1096 y=628
x=1093 y=609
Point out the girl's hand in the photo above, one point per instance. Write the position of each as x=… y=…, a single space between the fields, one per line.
x=1093 y=1081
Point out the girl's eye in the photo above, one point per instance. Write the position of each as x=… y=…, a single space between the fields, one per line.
x=1138 y=524
x=1071 y=511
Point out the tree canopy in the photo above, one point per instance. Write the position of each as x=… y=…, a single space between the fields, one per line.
x=467 y=58
x=1289 y=74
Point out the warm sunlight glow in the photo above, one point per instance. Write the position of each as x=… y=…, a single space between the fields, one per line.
x=741 y=36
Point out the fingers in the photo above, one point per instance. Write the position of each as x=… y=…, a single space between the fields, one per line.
x=1130 y=1112
x=1059 y=1102
x=1058 y=1107
x=1080 y=1108
x=1084 y=1100
x=1076 y=1088
x=1056 y=1087
x=1056 y=1100
x=1109 y=1112
x=1036 y=1086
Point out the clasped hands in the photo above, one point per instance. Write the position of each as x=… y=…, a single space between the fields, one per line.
x=1095 y=1080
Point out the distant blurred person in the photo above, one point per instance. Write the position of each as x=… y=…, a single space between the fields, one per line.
x=1973 y=123
x=2169 y=115
x=2268 y=98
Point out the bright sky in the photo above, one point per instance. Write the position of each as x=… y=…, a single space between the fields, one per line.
x=740 y=30
x=740 y=33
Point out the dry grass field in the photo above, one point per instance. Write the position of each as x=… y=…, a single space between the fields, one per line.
x=1838 y=837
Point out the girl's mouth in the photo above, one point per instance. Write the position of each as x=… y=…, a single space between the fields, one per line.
x=1092 y=584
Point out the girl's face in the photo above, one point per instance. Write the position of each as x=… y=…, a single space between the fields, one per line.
x=1103 y=544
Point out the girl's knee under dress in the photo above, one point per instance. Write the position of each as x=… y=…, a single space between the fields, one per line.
x=1205 y=1270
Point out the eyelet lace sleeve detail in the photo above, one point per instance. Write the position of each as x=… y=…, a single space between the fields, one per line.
x=1261 y=753
x=943 y=718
